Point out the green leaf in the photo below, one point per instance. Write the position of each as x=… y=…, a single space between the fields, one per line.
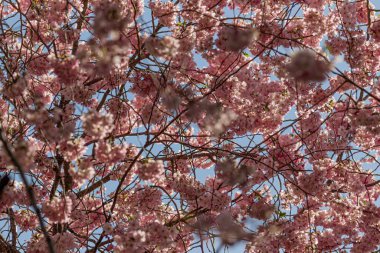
x=181 y=23
x=281 y=214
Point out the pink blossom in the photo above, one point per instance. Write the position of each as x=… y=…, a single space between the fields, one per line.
x=97 y=125
x=58 y=209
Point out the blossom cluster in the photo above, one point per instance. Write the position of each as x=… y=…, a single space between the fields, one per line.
x=172 y=126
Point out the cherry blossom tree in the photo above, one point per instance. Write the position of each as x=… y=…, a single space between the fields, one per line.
x=189 y=126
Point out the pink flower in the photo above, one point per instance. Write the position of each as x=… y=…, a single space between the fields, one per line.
x=150 y=170
x=58 y=209
x=165 y=47
x=305 y=66
x=235 y=38
x=97 y=125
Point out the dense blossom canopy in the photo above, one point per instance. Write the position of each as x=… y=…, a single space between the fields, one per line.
x=189 y=126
